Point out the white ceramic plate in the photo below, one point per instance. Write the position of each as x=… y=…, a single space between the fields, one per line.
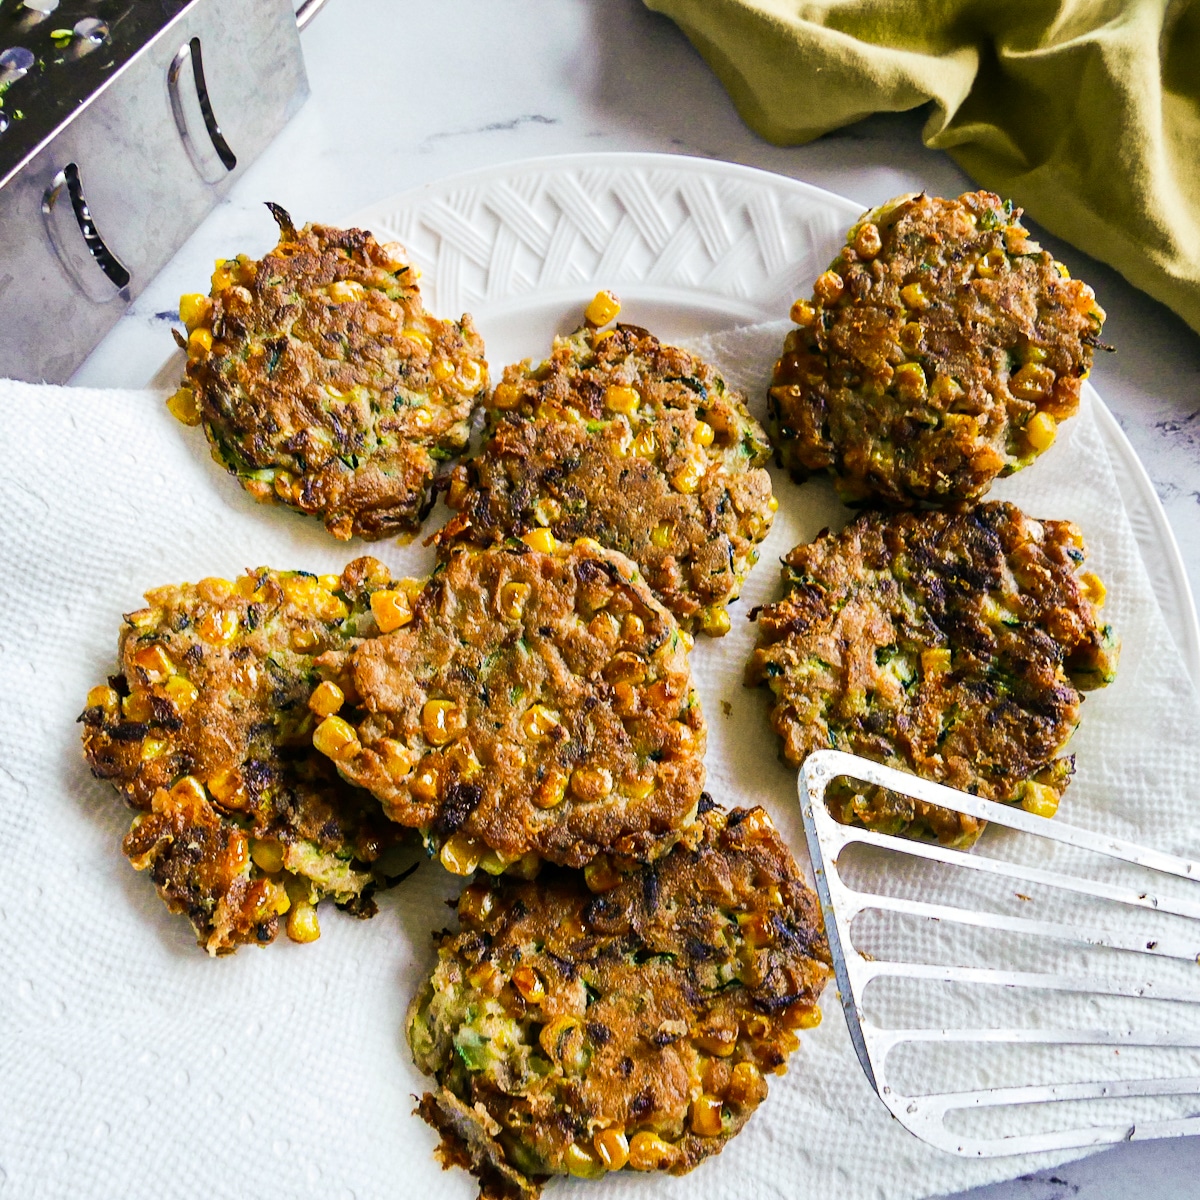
x=692 y=246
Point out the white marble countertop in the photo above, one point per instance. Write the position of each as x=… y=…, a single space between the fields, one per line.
x=405 y=93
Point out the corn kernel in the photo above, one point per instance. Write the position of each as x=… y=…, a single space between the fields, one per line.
x=266 y=854
x=703 y=434
x=422 y=418
x=633 y=628
x=541 y=540
x=914 y=296
x=461 y=853
x=645 y=444
x=326 y=699
x=910 y=380
x=603 y=308
x=527 y=866
x=773 y=504
x=660 y=536
x=706 y=1116
x=513 y=598
x=648 y=1152
x=552 y=1036
x=1093 y=588
x=868 y=243
x=553 y=789
x=302 y=923
x=600 y=875
x=1061 y=268
x=529 y=983
x=343 y=291
x=182 y=692
x=687 y=478
x=189 y=790
x=991 y=264
x=715 y=621
x=470 y=376
x=443 y=369
x=613 y=1148
x=103 y=697
x=912 y=335
x=803 y=313
x=441 y=721
x=199 y=342
x=193 y=308
x=304 y=640
x=397 y=761
x=421 y=339
x=935 y=661
x=538 y=721
x=154 y=662
x=1032 y=382
x=829 y=287
x=591 y=783
x=218 y=626
x=506 y=396
x=583 y=1163
x=1039 y=799
x=336 y=739
x=746 y=1085
x=427 y=780
x=476 y=903
x=391 y=609
x=153 y=748
x=184 y=406
x=1041 y=431
x=621 y=399
x=802 y=1016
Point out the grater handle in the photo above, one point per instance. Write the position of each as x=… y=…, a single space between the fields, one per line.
x=305 y=13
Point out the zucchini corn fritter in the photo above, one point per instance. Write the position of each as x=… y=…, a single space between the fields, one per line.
x=322 y=382
x=524 y=704
x=574 y=1031
x=207 y=731
x=637 y=444
x=951 y=645
x=940 y=349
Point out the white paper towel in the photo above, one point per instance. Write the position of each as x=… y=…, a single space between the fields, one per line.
x=133 y=1065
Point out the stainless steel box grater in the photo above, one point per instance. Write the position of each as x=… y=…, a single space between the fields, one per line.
x=122 y=124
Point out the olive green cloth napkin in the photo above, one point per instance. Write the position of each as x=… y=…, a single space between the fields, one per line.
x=1085 y=112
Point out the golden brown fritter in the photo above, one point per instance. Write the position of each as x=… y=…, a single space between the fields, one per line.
x=637 y=444
x=574 y=1030
x=322 y=381
x=526 y=705
x=950 y=645
x=940 y=350
x=207 y=731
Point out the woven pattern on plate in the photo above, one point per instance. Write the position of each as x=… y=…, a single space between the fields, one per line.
x=546 y=228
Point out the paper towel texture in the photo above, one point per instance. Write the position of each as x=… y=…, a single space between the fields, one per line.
x=133 y=1065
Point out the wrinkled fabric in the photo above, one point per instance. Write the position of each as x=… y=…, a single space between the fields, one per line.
x=1085 y=112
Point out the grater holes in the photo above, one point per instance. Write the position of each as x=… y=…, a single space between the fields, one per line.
x=210 y=152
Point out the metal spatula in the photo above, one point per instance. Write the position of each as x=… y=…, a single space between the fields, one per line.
x=1125 y=971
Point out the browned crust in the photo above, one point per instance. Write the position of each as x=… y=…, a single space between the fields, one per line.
x=999 y=593
x=840 y=402
x=683 y=981
x=589 y=644
x=560 y=455
x=341 y=408
x=212 y=745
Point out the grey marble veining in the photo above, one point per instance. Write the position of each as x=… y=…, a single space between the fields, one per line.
x=409 y=91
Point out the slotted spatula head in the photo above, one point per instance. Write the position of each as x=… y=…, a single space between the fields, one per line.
x=1041 y=992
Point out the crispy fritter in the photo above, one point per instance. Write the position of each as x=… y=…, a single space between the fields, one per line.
x=322 y=381
x=532 y=705
x=207 y=731
x=940 y=350
x=573 y=1031
x=952 y=645
x=637 y=444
